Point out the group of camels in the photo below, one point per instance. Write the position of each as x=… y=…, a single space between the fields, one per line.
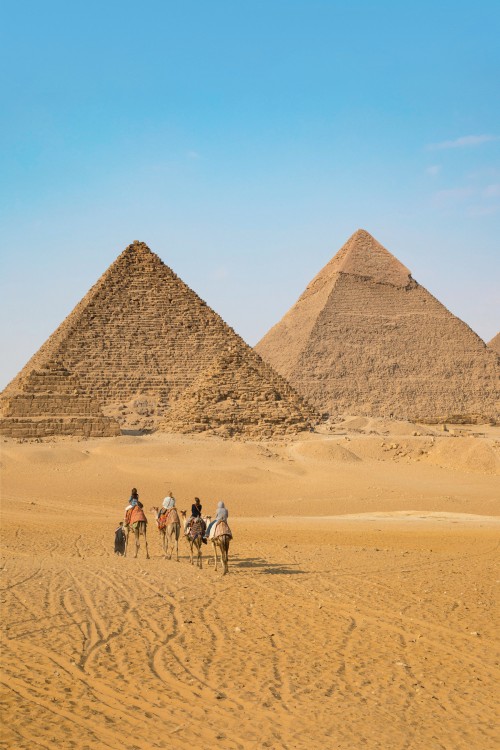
x=170 y=533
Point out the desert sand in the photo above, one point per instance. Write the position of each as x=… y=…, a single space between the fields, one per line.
x=358 y=612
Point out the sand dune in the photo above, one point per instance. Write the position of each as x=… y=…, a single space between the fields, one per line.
x=358 y=611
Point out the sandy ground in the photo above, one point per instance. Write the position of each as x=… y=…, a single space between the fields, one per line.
x=359 y=610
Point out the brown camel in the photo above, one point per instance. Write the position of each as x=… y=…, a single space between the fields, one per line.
x=136 y=521
x=221 y=542
x=194 y=536
x=169 y=532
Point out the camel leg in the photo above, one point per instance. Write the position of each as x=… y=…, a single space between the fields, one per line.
x=126 y=542
x=191 y=552
x=215 y=554
x=225 y=555
x=146 y=543
x=199 y=552
x=177 y=532
x=137 y=543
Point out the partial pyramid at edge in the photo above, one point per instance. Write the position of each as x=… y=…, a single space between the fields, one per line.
x=366 y=338
x=495 y=343
x=141 y=340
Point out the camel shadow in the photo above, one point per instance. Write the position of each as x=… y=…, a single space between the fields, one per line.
x=266 y=568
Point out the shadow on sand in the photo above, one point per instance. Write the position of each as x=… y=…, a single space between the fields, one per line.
x=265 y=567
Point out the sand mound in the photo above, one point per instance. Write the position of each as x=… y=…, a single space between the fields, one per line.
x=466 y=454
x=327 y=451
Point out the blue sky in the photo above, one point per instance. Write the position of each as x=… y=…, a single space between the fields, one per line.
x=245 y=142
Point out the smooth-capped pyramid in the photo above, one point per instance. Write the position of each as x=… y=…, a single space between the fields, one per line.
x=366 y=338
x=495 y=343
x=50 y=401
x=141 y=337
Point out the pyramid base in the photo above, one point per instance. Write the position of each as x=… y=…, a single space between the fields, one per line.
x=59 y=427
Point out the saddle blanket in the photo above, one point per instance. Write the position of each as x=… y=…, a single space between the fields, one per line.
x=165 y=519
x=198 y=528
x=220 y=529
x=134 y=515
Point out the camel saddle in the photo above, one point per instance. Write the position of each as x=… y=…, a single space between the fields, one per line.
x=221 y=529
x=166 y=519
x=197 y=528
x=134 y=515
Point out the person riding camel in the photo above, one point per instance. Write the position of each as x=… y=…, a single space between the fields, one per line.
x=133 y=506
x=196 y=508
x=221 y=514
x=167 y=504
x=134 y=500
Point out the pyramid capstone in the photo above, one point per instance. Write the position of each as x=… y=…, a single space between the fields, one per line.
x=366 y=338
x=141 y=338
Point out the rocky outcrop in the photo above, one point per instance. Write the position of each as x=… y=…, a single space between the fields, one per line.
x=366 y=338
x=50 y=402
x=141 y=339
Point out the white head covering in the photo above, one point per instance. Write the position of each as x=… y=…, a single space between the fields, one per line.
x=169 y=502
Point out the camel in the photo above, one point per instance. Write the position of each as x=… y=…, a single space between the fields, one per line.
x=221 y=543
x=194 y=536
x=169 y=533
x=138 y=523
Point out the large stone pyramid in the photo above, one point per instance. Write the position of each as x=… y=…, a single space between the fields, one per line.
x=366 y=338
x=495 y=343
x=141 y=338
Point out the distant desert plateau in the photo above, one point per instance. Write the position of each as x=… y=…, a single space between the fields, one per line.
x=358 y=611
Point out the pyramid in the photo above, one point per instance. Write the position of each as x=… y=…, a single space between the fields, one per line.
x=230 y=398
x=366 y=338
x=141 y=337
x=50 y=401
x=495 y=343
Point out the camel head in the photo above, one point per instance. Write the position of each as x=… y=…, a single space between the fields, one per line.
x=183 y=513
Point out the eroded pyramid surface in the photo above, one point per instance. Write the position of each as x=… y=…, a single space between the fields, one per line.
x=49 y=401
x=230 y=398
x=141 y=337
x=495 y=343
x=366 y=338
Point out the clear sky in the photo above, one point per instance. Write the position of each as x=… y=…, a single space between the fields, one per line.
x=245 y=141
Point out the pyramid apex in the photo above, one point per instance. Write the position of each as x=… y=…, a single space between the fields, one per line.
x=138 y=245
x=362 y=255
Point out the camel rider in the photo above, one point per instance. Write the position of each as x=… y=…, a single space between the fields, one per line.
x=196 y=508
x=168 y=503
x=134 y=500
x=221 y=514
